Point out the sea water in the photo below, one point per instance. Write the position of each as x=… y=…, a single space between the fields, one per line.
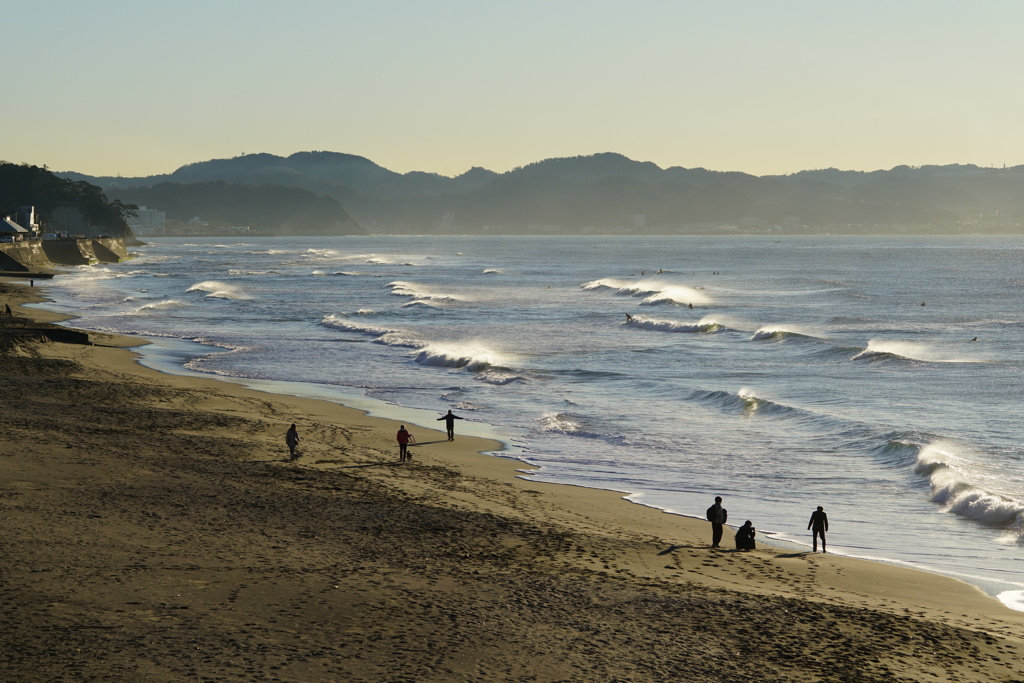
x=879 y=377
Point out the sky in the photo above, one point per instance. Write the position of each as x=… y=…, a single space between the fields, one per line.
x=116 y=87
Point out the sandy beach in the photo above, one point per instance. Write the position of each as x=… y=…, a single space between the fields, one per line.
x=154 y=530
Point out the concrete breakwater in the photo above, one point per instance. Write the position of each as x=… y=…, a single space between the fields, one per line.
x=27 y=256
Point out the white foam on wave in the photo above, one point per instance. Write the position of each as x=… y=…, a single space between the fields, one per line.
x=492 y=271
x=877 y=348
x=320 y=272
x=164 y=305
x=382 y=335
x=1012 y=599
x=236 y=272
x=769 y=332
x=469 y=355
x=265 y=252
x=340 y=323
x=963 y=487
x=680 y=296
x=655 y=292
x=559 y=423
x=396 y=338
x=218 y=290
x=645 y=323
x=498 y=378
x=420 y=295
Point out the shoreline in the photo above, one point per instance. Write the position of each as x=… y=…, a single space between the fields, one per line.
x=1007 y=594
x=1004 y=593
x=561 y=537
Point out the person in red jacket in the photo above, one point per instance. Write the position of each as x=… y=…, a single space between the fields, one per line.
x=404 y=437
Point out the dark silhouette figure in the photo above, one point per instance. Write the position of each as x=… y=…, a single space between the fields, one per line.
x=718 y=516
x=819 y=523
x=291 y=437
x=7 y=309
x=449 y=422
x=404 y=437
x=745 y=536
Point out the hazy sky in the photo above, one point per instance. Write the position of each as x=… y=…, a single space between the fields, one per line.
x=764 y=86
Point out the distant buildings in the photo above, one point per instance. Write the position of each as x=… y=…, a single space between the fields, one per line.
x=147 y=222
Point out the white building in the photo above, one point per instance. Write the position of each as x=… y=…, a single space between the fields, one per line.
x=148 y=222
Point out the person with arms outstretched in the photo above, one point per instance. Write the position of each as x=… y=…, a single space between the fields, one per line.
x=449 y=421
x=819 y=524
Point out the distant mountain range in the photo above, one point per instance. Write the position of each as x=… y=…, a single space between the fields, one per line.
x=602 y=193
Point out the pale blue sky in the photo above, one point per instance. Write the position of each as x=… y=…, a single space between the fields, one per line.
x=143 y=87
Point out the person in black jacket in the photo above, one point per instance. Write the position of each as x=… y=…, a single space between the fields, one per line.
x=745 y=536
x=449 y=421
x=819 y=523
x=718 y=516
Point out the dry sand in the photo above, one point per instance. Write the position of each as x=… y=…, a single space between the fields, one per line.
x=153 y=531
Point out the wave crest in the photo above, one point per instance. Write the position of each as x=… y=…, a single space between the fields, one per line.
x=654 y=292
x=960 y=489
x=218 y=290
x=705 y=325
x=901 y=350
x=474 y=357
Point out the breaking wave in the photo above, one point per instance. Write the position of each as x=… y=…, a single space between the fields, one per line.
x=900 y=350
x=338 y=323
x=779 y=334
x=654 y=292
x=420 y=295
x=475 y=357
x=166 y=304
x=644 y=323
x=747 y=402
x=960 y=486
x=218 y=290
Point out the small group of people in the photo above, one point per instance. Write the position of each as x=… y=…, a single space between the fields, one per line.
x=404 y=438
x=718 y=516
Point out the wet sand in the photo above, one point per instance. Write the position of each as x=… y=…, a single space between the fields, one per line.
x=153 y=530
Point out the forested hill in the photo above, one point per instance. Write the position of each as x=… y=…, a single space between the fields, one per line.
x=62 y=205
x=266 y=208
x=610 y=193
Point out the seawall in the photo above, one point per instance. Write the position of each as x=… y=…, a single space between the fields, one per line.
x=27 y=256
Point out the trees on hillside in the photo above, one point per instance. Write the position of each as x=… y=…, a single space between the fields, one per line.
x=26 y=185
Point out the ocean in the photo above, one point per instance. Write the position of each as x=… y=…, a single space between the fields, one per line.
x=879 y=377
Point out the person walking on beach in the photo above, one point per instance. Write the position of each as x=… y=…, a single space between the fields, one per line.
x=718 y=516
x=291 y=437
x=449 y=421
x=745 y=536
x=819 y=523
x=404 y=437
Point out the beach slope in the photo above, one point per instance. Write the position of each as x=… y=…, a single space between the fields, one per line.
x=153 y=530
